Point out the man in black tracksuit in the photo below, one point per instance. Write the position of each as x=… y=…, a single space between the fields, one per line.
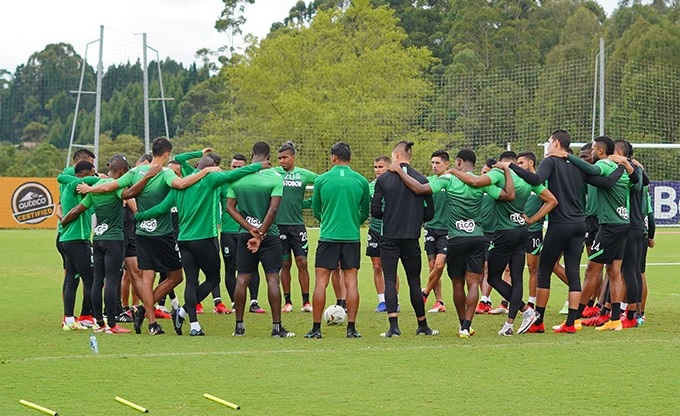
x=403 y=216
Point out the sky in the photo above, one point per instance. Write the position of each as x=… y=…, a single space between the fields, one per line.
x=175 y=28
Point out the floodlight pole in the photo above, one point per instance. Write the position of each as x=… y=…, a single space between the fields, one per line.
x=145 y=67
x=601 y=86
x=98 y=105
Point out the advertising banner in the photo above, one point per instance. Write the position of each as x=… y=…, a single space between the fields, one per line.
x=28 y=203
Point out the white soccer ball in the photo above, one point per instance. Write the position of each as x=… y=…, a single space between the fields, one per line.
x=334 y=315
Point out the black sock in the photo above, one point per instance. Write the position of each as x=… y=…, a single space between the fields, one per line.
x=531 y=305
x=240 y=325
x=441 y=302
x=461 y=321
x=161 y=302
x=616 y=311
x=604 y=310
x=286 y=296
x=217 y=301
x=393 y=322
x=316 y=326
x=465 y=325
x=276 y=326
x=504 y=303
x=339 y=302
x=591 y=303
x=102 y=323
x=305 y=298
x=423 y=323
x=581 y=307
x=540 y=311
x=571 y=316
x=630 y=314
x=350 y=326
x=425 y=295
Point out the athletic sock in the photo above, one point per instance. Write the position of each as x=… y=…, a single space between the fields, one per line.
x=540 y=311
x=571 y=316
x=591 y=303
x=532 y=301
x=350 y=326
x=305 y=298
x=183 y=313
x=604 y=310
x=394 y=322
x=460 y=321
x=217 y=300
x=581 y=307
x=630 y=314
x=616 y=311
x=465 y=324
x=70 y=320
x=240 y=325
x=316 y=326
x=286 y=296
x=425 y=295
x=101 y=323
x=276 y=326
x=423 y=323
x=195 y=326
x=485 y=299
x=339 y=302
x=381 y=297
x=505 y=303
x=161 y=302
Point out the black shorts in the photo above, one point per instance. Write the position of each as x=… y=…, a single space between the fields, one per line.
x=228 y=244
x=293 y=238
x=487 y=242
x=591 y=229
x=464 y=254
x=534 y=243
x=373 y=243
x=329 y=254
x=130 y=241
x=402 y=248
x=435 y=241
x=506 y=241
x=158 y=253
x=269 y=254
x=609 y=243
x=60 y=249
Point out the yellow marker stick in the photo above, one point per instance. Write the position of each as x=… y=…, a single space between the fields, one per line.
x=38 y=408
x=220 y=401
x=132 y=405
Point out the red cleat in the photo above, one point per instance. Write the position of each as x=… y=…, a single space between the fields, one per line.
x=629 y=323
x=221 y=309
x=117 y=329
x=565 y=329
x=590 y=311
x=482 y=308
x=199 y=308
x=159 y=314
x=536 y=329
x=602 y=319
x=590 y=321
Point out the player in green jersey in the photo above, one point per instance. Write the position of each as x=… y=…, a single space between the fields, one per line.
x=156 y=245
x=253 y=202
x=341 y=202
x=435 y=232
x=291 y=224
x=108 y=245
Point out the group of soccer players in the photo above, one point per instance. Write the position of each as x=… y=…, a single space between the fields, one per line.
x=482 y=228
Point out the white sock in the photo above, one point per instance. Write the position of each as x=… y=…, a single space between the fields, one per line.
x=507 y=325
x=196 y=326
x=486 y=299
x=253 y=301
x=182 y=313
x=532 y=299
x=624 y=305
x=381 y=297
x=70 y=320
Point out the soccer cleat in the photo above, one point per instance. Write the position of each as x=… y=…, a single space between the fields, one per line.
x=307 y=307
x=117 y=329
x=159 y=314
x=536 y=329
x=75 y=326
x=239 y=332
x=391 y=333
x=528 y=319
x=174 y=302
x=640 y=318
x=602 y=319
x=287 y=308
x=506 y=331
x=199 y=308
x=102 y=329
x=138 y=319
x=565 y=309
x=353 y=333
x=610 y=326
x=255 y=308
x=437 y=307
x=426 y=330
x=282 y=333
x=564 y=329
x=577 y=325
x=196 y=333
x=155 y=329
x=86 y=321
x=177 y=321
x=590 y=311
x=162 y=308
x=221 y=309
x=500 y=310
x=382 y=307
x=465 y=333
x=482 y=308
x=629 y=323
x=124 y=317
x=313 y=334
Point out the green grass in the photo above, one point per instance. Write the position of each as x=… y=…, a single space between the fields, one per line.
x=634 y=371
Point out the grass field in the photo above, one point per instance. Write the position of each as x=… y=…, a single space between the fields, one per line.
x=633 y=372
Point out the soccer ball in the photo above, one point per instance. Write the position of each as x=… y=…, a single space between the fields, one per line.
x=334 y=315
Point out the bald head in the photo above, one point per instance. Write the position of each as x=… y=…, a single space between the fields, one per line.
x=205 y=162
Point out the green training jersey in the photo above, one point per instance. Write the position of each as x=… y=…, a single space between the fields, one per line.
x=70 y=171
x=487 y=215
x=183 y=159
x=531 y=207
x=155 y=191
x=509 y=213
x=228 y=225
x=374 y=224
x=80 y=228
x=613 y=204
x=108 y=208
x=463 y=205
x=341 y=201
x=253 y=194
x=198 y=208
x=438 y=222
x=591 y=201
x=295 y=182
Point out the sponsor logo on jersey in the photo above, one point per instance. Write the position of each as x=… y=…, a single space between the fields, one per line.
x=622 y=212
x=292 y=184
x=465 y=225
x=254 y=221
x=149 y=225
x=32 y=203
x=101 y=228
x=517 y=218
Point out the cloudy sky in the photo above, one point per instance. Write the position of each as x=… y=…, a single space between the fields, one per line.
x=174 y=27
